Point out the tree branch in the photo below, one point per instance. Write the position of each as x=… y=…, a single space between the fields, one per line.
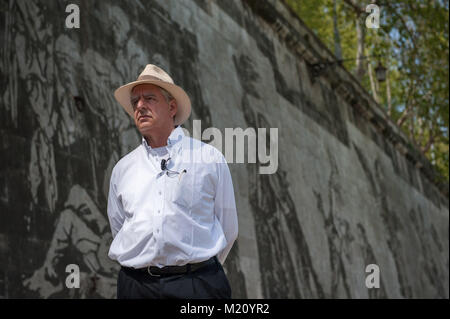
x=408 y=105
x=432 y=135
x=354 y=6
x=400 y=17
x=429 y=143
x=405 y=115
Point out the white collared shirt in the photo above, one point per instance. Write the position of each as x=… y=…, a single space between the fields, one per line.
x=159 y=219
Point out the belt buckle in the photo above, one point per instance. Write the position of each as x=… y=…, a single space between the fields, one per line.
x=150 y=273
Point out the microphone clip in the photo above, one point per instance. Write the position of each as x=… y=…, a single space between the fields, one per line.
x=164 y=168
x=164 y=163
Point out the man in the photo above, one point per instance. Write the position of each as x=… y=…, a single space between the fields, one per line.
x=171 y=201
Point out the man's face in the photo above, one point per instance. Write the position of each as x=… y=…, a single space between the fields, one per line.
x=152 y=112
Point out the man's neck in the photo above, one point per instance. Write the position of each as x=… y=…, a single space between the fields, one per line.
x=158 y=139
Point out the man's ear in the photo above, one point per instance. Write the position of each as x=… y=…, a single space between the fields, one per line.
x=173 y=107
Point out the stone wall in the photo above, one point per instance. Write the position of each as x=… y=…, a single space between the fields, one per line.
x=350 y=190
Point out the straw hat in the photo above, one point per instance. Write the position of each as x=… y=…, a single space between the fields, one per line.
x=157 y=76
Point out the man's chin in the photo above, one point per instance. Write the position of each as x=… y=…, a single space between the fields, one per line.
x=147 y=128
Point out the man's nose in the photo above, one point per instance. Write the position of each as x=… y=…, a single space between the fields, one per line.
x=140 y=102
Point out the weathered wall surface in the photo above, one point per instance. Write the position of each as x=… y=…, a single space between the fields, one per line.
x=348 y=191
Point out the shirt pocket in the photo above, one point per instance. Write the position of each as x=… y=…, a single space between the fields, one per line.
x=182 y=189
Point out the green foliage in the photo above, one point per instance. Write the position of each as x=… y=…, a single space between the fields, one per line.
x=413 y=44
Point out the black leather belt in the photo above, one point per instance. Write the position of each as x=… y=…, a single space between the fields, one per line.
x=174 y=270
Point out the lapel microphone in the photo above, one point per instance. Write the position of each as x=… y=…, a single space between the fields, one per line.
x=164 y=164
x=164 y=167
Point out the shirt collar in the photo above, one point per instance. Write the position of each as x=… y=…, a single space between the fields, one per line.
x=175 y=136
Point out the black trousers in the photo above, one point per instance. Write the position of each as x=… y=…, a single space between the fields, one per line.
x=208 y=282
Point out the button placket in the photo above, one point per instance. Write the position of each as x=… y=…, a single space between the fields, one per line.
x=162 y=204
x=157 y=218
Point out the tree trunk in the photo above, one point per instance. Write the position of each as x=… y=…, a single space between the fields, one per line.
x=431 y=136
x=337 y=38
x=411 y=128
x=372 y=82
x=388 y=92
x=360 y=37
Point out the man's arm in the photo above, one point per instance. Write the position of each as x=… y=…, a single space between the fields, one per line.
x=225 y=207
x=116 y=213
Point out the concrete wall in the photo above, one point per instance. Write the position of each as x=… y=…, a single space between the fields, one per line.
x=349 y=190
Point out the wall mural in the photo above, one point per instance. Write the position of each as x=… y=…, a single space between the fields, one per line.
x=338 y=233
x=398 y=231
x=82 y=236
x=390 y=219
x=284 y=271
x=59 y=98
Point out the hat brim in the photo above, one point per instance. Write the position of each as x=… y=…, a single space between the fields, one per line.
x=123 y=94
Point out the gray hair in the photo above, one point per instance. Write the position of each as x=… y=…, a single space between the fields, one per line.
x=166 y=94
x=168 y=98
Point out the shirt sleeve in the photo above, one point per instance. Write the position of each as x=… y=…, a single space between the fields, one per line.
x=225 y=208
x=116 y=213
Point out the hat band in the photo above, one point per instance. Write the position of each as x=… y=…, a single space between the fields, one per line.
x=153 y=78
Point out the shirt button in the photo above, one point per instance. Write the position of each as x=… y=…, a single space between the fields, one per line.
x=159 y=192
x=159 y=211
x=157 y=231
